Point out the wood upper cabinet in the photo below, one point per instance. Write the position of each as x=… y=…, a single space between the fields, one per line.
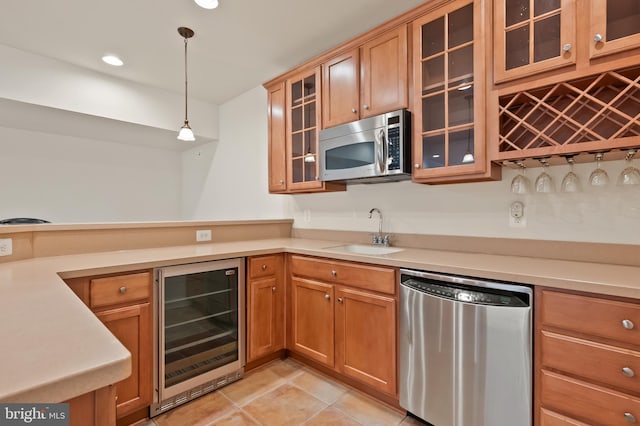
x=533 y=36
x=312 y=319
x=366 y=81
x=265 y=306
x=365 y=338
x=587 y=359
x=341 y=89
x=615 y=26
x=449 y=98
x=277 y=137
x=123 y=303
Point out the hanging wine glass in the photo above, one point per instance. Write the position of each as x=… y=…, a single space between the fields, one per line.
x=630 y=175
x=544 y=182
x=571 y=181
x=599 y=177
x=520 y=183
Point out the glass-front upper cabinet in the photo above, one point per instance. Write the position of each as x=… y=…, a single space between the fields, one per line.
x=449 y=93
x=532 y=36
x=615 y=26
x=302 y=131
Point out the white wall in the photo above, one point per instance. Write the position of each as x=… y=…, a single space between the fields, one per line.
x=65 y=179
x=35 y=79
x=227 y=179
x=481 y=209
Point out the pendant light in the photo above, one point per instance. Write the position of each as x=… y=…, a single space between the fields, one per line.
x=185 y=134
x=468 y=156
x=207 y=4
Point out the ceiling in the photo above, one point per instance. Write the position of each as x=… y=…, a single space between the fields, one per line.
x=236 y=47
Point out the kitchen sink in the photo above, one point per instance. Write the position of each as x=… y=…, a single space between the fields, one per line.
x=364 y=249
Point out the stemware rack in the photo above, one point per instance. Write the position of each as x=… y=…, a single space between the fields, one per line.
x=598 y=113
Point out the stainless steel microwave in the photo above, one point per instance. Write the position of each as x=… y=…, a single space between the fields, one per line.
x=374 y=149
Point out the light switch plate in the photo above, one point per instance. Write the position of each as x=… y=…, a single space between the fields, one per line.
x=6 y=247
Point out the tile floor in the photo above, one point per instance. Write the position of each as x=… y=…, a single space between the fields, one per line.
x=280 y=393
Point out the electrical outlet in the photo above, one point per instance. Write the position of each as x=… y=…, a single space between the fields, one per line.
x=516 y=215
x=203 y=235
x=6 y=247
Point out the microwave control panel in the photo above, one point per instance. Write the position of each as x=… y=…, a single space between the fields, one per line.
x=393 y=136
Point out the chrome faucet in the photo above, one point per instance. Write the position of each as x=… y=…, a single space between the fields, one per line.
x=379 y=239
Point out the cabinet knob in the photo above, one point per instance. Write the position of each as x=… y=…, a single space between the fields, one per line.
x=567 y=47
x=273 y=289
x=628 y=324
x=264 y=267
x=628 y=372
x=630 y=417
x=365 y=106
x=123 y=290
x=597 y=38
x=326 y=296
x=281 y=181
x=353 y=110
x=416 y=166
x=339 y=299
x=334 y=273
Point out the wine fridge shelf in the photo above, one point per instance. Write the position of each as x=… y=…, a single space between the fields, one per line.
x=591 y=114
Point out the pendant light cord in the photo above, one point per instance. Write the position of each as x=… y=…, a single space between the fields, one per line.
x=185 y=82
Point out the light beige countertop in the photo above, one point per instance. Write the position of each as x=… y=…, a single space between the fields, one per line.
x=54 y=348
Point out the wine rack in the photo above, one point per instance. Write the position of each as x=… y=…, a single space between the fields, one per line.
x=592 y=114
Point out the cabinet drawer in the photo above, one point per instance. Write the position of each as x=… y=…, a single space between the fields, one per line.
x=603 y=363
x=364 y=276
x=592 y=316
x=264 y=266
x=550 y=418
x=120 y=289
x=592 y=403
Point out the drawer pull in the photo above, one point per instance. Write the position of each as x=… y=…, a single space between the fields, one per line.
x=264 y=267
x=326 y=296
x=339 y=299
x=334 y=273
x=273 y=289
x=628 y=324
x=628 y=372
x=630 y=417
x=123 y=290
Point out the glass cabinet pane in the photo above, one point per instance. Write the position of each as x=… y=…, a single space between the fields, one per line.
x=541 y=7
x=516 y=11
x=296 y=119
x=433 y=75
x=297 y=170
x=310 y=115
x=296 y=92
x=517 y=49
x=310 y=171
x=297 y=147
x=546 y=39
x=433 y=37
x=433 y=151
x=461 y=66
x=460 y=143
x=310 y=141
x=623 y=18
x=461 y=26
x=433 y=113
x=460 y=107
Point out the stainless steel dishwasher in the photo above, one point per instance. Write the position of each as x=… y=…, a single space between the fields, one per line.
x=465 y=350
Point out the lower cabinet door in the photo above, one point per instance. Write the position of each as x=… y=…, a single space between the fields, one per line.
x=312 y=319
x=131 y=325
x=265 y=318
x=365 y=338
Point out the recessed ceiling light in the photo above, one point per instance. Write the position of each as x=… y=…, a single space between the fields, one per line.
x=112 y=60
x=207 y=4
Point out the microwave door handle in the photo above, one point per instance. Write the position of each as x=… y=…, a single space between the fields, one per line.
x=381 y=151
